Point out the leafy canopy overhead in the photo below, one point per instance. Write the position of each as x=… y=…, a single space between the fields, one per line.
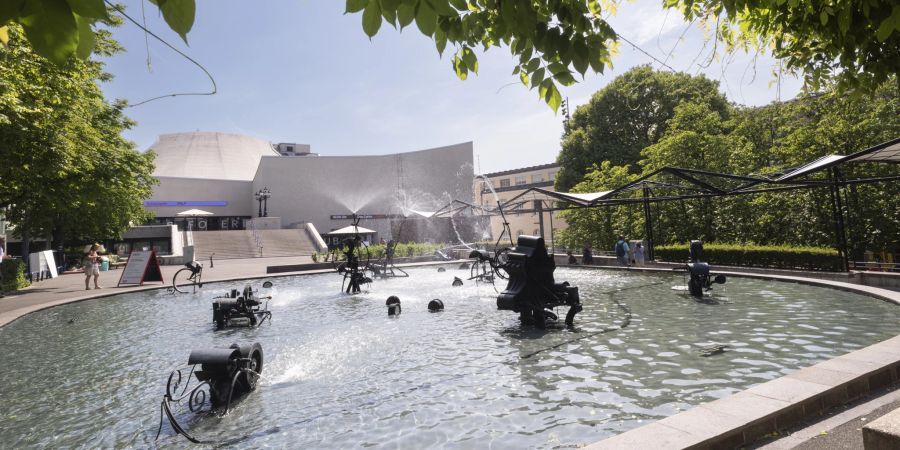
x=853 y=42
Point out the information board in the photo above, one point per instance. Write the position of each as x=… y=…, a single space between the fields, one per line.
x=141 y=266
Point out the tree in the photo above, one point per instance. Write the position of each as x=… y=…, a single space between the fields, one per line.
x=601 y=226
x=628 y=115
x=854 y=42
x=67 y=170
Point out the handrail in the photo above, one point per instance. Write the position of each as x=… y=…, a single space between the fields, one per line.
x=256 y=237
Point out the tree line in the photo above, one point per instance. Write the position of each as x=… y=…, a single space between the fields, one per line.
x=645 y=120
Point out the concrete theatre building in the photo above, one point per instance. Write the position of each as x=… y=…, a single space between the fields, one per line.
x=221 y=173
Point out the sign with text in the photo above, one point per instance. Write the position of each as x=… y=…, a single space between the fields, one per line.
x=141 y=266
x=184 y=203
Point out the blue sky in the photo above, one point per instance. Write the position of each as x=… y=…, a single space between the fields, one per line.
x=304 y=72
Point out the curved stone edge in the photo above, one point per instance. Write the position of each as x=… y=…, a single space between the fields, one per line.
x=749 y=415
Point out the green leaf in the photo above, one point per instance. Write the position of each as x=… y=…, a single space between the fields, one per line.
x=581 y=59
x=524 y=77
x=565 y=78
x=354 y=6
x=10 y=9
x=92 y=9
x=390 y=15
x=440 y=41
x=179 y=14
x=461 y=72
x=460 y=5
x=390 y=5
x=550 y=94
x=537 y=77
x=4 y=35
x=52 y=31
x=85 y=38
x=442 y=7
x=533 y=64
x=406 y=12
x=823 y=16
x=426 y=19
x=371 y=19
x=468 y=57
x=884 y=30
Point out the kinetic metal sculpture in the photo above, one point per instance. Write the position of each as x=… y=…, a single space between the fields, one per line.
x=243 y=311
x=353 y=269
x=531 y=290
x=385 y=268
x=225 y=375
x=700 y=279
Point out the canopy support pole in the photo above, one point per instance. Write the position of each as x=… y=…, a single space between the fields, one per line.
x=838 y=216
x=648 y=223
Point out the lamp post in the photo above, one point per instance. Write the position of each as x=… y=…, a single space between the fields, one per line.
x=265 y=194
x=258 y=196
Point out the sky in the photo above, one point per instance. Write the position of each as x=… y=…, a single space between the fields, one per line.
x=304 y=72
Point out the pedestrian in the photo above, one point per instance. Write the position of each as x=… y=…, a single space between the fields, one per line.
x=92 y=267
x=572 y=259
x=638 y=254
x=2 y=257
x=622 y=252
x=587 y=255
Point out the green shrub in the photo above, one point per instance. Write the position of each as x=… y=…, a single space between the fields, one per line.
x=13 y=271
x=774 y=256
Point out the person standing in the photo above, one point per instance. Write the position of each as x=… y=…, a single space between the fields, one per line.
x=638 y=254
x=622 y=252
x=2 y=257
x=92 y=267
x=587 y=255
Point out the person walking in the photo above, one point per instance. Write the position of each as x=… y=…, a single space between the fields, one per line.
x=92 y=267
x=587 y=255
x=638 y=254
x=622 y=252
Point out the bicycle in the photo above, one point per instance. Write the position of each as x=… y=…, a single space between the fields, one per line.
x=190 y=275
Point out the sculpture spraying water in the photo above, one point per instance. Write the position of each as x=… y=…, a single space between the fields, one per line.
x=241 y=309
x=353 y=268
x=385 y=267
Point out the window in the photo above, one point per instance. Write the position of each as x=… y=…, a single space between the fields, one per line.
x=551 y=176
x=290 y=148
x=537 y=232
x=504 y=182
x=520 y=180
x=537 y=178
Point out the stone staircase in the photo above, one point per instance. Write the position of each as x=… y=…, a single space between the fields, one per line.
x=240 y=244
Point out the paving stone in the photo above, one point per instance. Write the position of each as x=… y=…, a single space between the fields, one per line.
x=704 y=423
x=791 y=390
x=819 y=375
x=883 y=433
x=748 y=406
x=654 y=435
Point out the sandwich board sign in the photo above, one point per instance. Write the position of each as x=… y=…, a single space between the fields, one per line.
x=141 y=266
x=43 y=262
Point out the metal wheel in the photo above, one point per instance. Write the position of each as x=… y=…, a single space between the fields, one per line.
x=181 y=282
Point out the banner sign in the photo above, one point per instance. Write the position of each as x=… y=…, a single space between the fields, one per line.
x=184 y=203
x=43 y=262
x=365 y=216
x=141 y=266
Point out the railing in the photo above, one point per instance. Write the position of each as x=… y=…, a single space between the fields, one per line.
x=256 y=238
x=875 y=266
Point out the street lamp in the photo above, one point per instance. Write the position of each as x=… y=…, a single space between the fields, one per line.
x=263 y=198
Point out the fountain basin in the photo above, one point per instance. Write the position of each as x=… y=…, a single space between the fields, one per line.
x=340 y=371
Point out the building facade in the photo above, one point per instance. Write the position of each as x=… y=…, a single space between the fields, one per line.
x=528 y=216
x=220 y=173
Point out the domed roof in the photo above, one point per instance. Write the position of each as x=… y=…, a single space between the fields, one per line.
x=210 y=155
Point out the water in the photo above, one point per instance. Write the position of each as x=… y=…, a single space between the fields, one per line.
x=340 y=373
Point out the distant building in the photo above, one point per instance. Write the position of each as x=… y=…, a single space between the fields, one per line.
x=527 y=217
x=221 y=173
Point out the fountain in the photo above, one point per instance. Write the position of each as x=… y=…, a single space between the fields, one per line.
x=352 y=268
x=243 y=311
x=700 y=279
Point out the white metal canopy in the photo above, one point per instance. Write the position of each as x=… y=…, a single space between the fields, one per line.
x=350 y=229
x=194 y=213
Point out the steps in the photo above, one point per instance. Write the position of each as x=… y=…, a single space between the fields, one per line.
x=240 y=244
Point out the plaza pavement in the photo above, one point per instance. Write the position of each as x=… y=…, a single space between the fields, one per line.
x=69 y=287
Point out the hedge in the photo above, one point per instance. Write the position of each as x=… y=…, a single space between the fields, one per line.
x=773 y=256
x=13 y=271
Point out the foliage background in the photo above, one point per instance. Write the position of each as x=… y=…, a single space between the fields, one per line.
x=706 y=132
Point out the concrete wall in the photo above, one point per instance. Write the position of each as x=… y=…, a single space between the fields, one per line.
x=237 y=194
x=312 y=189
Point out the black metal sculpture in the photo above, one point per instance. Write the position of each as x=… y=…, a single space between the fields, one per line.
x=385 y=268
x=700 y=279
x=531 y=290
x=243 y=311
x=225 y=375
x=353 y=269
